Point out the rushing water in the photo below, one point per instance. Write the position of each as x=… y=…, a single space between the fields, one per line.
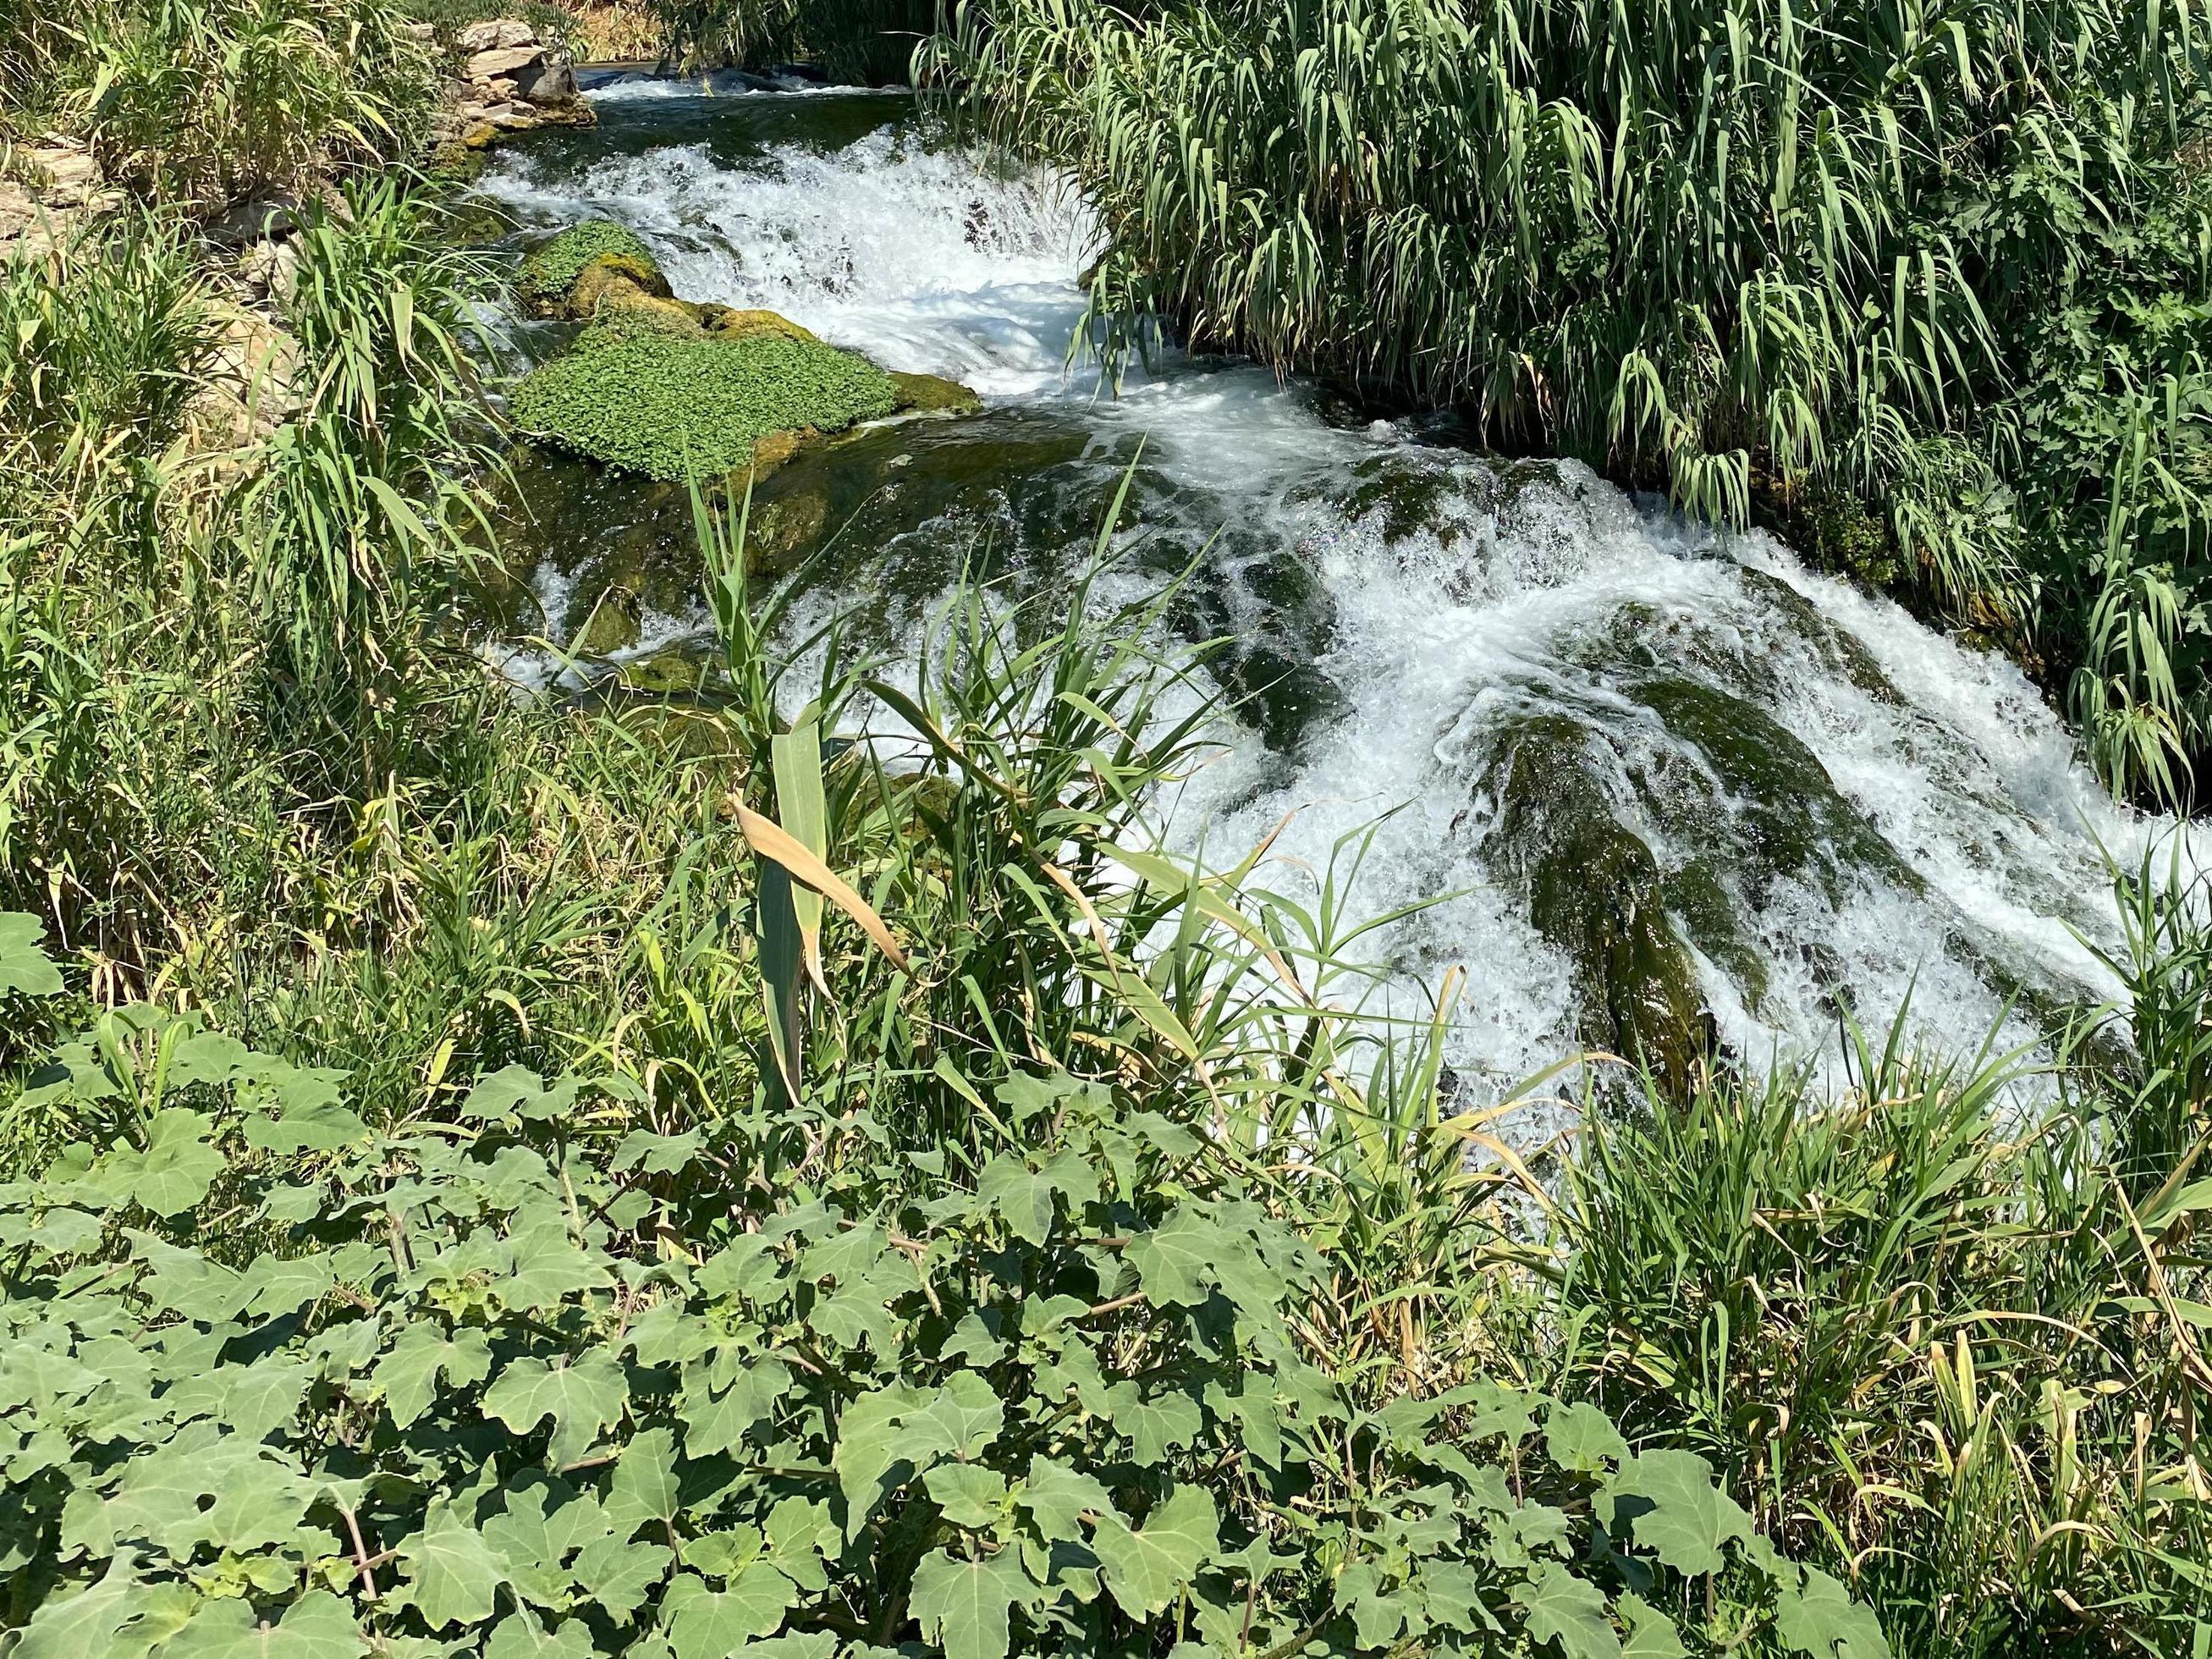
x=1652 y=776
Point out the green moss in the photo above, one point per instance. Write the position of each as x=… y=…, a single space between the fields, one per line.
x=934 y=394
x=673 y=407
x=551 y=269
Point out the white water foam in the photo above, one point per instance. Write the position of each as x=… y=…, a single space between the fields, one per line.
x=922 y=258
x=1505 y=602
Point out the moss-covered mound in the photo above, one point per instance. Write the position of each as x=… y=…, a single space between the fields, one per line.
x=676 y=407
x=551 y=270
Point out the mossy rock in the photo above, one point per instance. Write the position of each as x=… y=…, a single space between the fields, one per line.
x=614 y=624
x=673 y=407
x=934 y=394
x=1595 y=891
x=671 y=672
x=552 y=271
x=609 y=296
x=730 y=324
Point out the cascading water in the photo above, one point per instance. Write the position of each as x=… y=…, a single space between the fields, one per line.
x=1662 y=786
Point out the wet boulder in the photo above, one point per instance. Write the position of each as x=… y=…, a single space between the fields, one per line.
x=571 y=274
x=1594 y=891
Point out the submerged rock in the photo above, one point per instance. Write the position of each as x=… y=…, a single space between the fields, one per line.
x=1595 y=891
x=934 y=394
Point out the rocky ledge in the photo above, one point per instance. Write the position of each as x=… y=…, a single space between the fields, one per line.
x=510 y=80
x=678 y=389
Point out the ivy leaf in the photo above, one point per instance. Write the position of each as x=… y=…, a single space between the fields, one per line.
x=1821 y=1618
x=1562 y=1609
x=450 y=1570
x=963 y=1605
x=23 y=963
x=1144 y=1569
x=1582 y=1438
x=409 y=1373
x=581 y=1398
x=319 y=1625
x=1688 y=1519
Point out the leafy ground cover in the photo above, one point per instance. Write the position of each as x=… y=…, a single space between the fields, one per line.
x=678 y=408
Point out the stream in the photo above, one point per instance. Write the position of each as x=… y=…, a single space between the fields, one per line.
x=1657 y=780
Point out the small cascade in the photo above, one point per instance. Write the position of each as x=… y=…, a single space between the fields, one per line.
x=1652 y=787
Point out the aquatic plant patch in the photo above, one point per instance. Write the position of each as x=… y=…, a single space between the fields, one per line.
x=551 y=269
x=674 y=408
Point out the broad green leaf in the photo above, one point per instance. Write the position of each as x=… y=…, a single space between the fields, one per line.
x=1174 y=1261
x=1564 y=1609
x=581 y=1398
x=519 y=1636
x=1820 y=1619
x=969 y=1495
x=644 y=1485
x=1582 y=1437
x=1057 y=1496
x=1689 y=1519
x=705 y=1624
x=319 y=1625
x=1146 y=1568
x=24 y=965
x=408 y=1374
x=964 y=1605
x=450 y=1571
x=1155 y=1424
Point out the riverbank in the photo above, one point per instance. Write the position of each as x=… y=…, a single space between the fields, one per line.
x=647 y=1172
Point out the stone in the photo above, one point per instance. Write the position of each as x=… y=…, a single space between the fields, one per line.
x=497 y=34
x=247 y=388
x=737 y=325
x=504 y=63
x=934 y=394
x=270 y=267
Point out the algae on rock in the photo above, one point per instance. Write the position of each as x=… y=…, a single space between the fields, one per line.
x=677 y=389
x=553 y=272
x=676 y=407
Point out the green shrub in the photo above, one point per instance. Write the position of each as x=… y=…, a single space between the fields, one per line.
x=207 y=101
x=676 y=408
x=1921 y=1331
x=550 y=269
x=528 y=1371
x=555 y=25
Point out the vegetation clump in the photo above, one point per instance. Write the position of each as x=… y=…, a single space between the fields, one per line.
x=551 y=271
x=1951 y=304
x=675 y=407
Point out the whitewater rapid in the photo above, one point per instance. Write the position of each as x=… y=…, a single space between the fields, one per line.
x=1456 y=601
